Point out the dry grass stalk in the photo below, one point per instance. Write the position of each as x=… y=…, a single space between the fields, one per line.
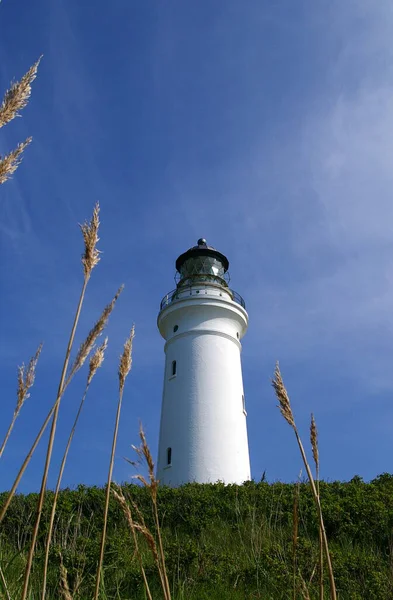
x=4 y=584
x=124 y=369
x=304 y=589
x=153 y=490
x=286 y=411
x=315 y=452
x=295 y=537
x=17 y=97
x=119 y=496
x=126 y=360
x=95 y=363
x=10 y=162
x=26 y=461
x=88 y=344
x=28 y=457
x=26 y=379
x=283 y=398
x=77 y=583
x=314 y=443
x=89 y=250
x=64 y=587
x=144 y=455
x=91 y=255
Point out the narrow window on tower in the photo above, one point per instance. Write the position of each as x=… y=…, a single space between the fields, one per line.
x=244 y=405
x=173 y=371
x=168 y=456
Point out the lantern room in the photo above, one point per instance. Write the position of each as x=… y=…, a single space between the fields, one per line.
x=202 y=263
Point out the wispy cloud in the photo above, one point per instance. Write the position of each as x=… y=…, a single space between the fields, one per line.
x=307 y=207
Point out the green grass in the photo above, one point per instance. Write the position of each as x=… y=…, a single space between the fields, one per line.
x=221 y=542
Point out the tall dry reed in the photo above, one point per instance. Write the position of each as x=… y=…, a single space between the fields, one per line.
x=4 y=584
x=286 y=411
x=295 y=538
x=315 y=453
x=134 y=527
x=90 y=259
x=15 y=99
x=124 y=369
x=26 y=377
x=95 y=363
x=88 y=344
x=304 y=589
x=98 y=328
x=157 y=549
x=153 y=486
x=10 y=162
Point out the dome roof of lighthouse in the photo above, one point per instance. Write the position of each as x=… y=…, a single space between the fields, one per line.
x=202 y=249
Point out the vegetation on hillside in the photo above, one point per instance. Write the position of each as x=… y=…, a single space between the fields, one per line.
x=220 y=541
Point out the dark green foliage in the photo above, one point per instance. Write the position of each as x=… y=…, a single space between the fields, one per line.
x=227 y=542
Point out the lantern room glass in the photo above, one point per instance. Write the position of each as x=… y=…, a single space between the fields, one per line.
x=202 y=268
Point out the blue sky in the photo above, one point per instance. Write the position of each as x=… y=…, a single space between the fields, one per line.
x=265 y=127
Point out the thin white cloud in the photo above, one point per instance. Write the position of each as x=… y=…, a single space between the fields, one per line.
x=309 y=212
x=344 y=249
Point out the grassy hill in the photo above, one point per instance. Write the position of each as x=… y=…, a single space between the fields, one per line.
x=221 y=542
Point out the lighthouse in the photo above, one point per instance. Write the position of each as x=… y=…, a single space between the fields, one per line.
x=203 y=430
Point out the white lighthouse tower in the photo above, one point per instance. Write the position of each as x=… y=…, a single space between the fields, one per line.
x=203 y=431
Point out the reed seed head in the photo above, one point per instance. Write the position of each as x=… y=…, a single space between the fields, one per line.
x=314 y=441
x=138 y=511
x=10 y=162
x=26 y=379
x=141 y=527
x=282 y=397
x=91 y=255
x=119 y=496
x=87 y=346
x=96 y=360
x=126 y=359
x=17 y=97
x=147 y=455
x=144 y=457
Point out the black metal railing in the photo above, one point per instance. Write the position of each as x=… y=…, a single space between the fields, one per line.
x=179 y=294
x=238 y=298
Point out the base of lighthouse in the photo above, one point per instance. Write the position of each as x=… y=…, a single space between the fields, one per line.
x=203 y=431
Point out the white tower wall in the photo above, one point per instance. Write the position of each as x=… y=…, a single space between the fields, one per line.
x=203 y=418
